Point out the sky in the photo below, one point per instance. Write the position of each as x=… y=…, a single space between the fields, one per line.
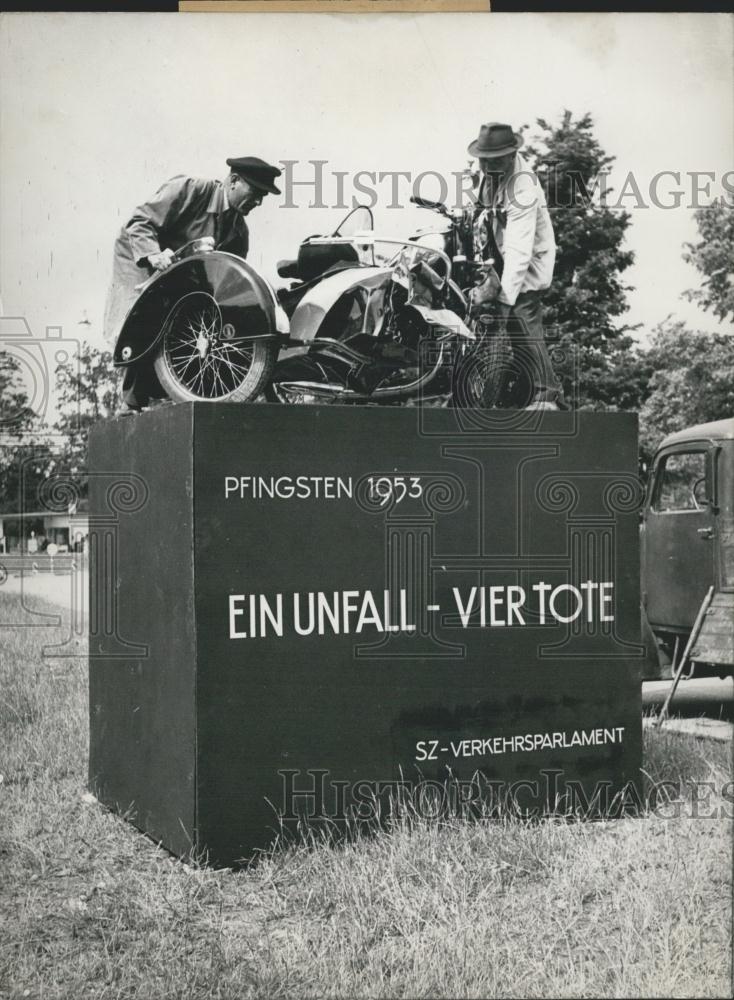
x=96 y=110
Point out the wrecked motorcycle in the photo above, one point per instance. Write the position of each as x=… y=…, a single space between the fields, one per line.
x=362 y=319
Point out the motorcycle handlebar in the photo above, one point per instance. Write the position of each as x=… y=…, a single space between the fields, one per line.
x=436 y=206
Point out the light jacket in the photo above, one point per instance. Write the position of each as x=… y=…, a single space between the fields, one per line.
x=523 y=231
x=183 y=209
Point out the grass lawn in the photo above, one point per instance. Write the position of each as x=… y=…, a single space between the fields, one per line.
x=91 y=908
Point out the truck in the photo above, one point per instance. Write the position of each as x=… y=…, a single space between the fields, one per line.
x=687 y=550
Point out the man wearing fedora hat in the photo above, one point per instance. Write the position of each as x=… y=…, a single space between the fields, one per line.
x=512 y=225
x=183 y=209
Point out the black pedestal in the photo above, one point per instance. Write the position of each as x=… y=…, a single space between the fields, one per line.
x=217 y=532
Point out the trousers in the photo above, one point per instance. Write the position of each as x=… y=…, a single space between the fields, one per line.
x=139 y=386
x=531 y=372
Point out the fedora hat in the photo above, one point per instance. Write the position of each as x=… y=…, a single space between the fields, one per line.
x=495 y=139
x=257 y=172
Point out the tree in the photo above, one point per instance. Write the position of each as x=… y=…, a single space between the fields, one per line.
x=24 y=453
x=692 y=381
x=16 y=416
x=713 y=256
x=587 y=296
x=87 y=391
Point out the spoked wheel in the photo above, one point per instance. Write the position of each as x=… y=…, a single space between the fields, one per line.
x=480 y=375
x=203 y=358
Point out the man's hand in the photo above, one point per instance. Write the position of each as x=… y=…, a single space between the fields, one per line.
x=484 y=292
x=160 y=261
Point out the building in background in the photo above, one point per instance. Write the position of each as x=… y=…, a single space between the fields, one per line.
x=69 y=531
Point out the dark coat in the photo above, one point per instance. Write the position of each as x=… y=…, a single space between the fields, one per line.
x=183 y=209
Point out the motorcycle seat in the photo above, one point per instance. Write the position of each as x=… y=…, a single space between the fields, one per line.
x=316 y=259
x=287 y=268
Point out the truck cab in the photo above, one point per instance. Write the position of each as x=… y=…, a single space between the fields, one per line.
x=687 y=545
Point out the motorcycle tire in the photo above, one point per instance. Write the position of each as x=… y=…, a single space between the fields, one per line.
x=199 y=358
x=480 y=377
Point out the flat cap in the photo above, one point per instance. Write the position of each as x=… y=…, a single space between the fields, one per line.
x=256 y=172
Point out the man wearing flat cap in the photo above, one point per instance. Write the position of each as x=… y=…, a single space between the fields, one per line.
x=183 y=209
x=513 y=226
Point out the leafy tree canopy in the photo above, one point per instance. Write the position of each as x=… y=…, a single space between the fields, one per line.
x=24 y=451
x=87 y=391
x=692 y=381
x=713 y=256
x=588 y=295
